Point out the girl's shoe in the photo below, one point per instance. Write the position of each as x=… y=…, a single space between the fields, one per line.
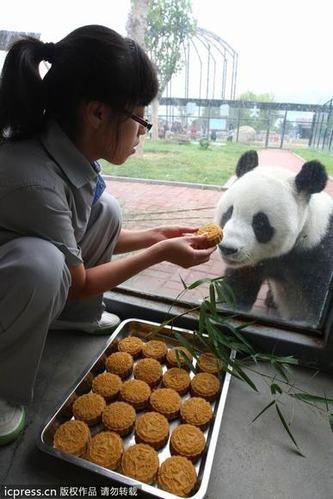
x=105 y=325
x=12 y=419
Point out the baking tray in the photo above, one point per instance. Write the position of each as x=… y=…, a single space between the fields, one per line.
x=146 y=330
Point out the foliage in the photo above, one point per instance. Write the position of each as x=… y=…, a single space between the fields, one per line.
x=182 y=163
x=247 y=116
x=170 y=23
x=221 y=337
x=204 y=143
x=251 y=96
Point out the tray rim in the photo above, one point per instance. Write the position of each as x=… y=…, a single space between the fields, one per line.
x=119 y=477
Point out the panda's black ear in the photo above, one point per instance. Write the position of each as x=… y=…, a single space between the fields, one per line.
x=247 y=162
x=312 y=177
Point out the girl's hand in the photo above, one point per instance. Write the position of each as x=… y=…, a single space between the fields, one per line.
x=170 y=231
x=186 y=251
x=132 y=240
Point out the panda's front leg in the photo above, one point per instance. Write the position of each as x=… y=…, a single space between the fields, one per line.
x=245 y=283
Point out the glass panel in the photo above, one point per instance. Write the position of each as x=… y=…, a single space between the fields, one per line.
x=291 y=287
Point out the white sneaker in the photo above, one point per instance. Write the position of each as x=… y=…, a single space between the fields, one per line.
x=106 y=325
x=12 y=419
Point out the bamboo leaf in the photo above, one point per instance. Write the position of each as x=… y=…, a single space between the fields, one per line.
x=326 y=404
x=218 y=348
x=217 y=279
x=280 y=369
x=245 y=377
x=330 y=420
x=243 y=326
x=275 y=388
x=202 y=340
x=182 y=355
x=195 y=284
x=282 y=360
x=249 y=349
x=220 y=293
x=286 y=427
x=221 y=338
x=183 y=282
x=186 y=344
x=308 y=397
x=264 y=409
x=212 y=297
x=225 y=293
x=202 y=316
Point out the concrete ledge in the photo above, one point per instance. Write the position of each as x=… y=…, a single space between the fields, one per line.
x=165 y=182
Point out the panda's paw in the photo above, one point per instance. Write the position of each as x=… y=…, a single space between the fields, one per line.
x=269 y=300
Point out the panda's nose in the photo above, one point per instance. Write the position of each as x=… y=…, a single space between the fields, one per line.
x=227 y=250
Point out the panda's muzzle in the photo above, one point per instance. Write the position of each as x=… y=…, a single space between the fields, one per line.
x=234 y=257
x=227 y=250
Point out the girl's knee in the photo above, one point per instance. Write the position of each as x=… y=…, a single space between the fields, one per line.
x=36 y=263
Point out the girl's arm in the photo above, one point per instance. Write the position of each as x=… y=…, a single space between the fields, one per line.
x=184 y=251
x=132 y=240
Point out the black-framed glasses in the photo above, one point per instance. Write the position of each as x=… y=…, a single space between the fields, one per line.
x=140 y=120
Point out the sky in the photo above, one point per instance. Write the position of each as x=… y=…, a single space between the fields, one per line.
x=284 y=46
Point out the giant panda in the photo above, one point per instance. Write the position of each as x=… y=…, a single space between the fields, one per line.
x=278 y=228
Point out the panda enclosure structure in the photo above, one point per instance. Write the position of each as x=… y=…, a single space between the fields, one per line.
x=276 y=129
x=200 y=102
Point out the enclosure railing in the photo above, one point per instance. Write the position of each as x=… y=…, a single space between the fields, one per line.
x=268 y=124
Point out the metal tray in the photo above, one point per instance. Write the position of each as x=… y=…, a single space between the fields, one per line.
x=203 y=467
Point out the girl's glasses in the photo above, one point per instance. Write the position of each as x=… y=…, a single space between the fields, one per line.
x=140 y=120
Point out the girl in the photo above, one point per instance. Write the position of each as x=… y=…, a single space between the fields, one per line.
x=58 y=228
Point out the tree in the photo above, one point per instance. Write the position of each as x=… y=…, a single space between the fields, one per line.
x=169 y=24
x=257 y=118
x=136 y=29
x=137 y=21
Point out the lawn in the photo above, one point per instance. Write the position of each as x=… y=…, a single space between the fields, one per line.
x=190 y=163
x=325 y=158
x=181 y=162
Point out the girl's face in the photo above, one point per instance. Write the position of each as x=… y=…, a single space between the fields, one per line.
x=117 y=150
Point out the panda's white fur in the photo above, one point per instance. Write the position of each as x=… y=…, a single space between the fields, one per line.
x=299 y=219
x=296 y=219
x=317 y=221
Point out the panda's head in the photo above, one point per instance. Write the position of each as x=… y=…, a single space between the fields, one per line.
x=266 y=210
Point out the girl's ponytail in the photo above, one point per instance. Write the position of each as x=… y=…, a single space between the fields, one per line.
x=21 y=91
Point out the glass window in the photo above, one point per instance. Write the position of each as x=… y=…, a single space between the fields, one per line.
x=245 y=83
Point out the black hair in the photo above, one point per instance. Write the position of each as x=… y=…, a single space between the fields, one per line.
x=91 y=63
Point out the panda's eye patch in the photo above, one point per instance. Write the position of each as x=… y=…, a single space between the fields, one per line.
x=262 y=227
x=226 y=216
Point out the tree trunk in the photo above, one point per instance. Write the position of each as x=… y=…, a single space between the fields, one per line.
x=155 y=106
x=136 y=29
x=137 y=21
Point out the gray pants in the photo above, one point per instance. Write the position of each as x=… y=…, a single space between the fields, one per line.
x=34 y=284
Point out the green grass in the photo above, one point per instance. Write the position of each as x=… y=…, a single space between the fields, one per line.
x=182 y=163
x=325 y=158
x=190 y=163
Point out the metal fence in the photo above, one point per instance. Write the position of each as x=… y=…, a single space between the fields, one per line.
x=266 y=124
x=322 y=134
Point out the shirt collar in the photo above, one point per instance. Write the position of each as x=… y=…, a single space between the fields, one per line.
x=62 y=150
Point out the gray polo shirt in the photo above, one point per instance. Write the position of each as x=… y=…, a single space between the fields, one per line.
x=46 y=190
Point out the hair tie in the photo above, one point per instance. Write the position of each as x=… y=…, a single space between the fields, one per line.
x=48 y=52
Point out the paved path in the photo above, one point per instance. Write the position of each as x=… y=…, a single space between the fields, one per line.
x=146 y=204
